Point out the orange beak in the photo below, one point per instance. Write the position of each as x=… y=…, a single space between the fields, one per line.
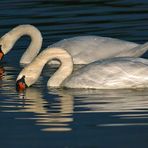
x=1 y=55
x=21 y=85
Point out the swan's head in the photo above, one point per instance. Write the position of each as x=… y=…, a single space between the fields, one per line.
x=6 y=44
x=21 y=84
x=27 y=77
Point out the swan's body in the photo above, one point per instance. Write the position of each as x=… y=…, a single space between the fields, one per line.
x=87 y=49
x=8 y=40
x=112 y=73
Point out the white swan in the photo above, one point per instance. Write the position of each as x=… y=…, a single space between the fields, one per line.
x=8 y=40
x=87 y=49
x=84 y=49
x=115 y=73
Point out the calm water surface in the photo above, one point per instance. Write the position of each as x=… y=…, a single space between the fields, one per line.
x=42 y=117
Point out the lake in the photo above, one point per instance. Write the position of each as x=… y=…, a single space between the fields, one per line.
x=64 y=118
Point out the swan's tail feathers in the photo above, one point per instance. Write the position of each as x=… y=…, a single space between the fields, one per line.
x=134 y=52
x=141 y=49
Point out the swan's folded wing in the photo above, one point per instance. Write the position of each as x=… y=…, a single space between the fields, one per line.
x=111 y=74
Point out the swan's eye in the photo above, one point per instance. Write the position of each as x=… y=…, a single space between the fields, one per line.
x=1 y=53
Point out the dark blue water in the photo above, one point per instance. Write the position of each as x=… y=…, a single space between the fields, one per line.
x=41 y=118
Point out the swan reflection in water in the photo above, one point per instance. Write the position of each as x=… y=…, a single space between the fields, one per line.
x=55 y=114
x=52 y=114
x=125 y=107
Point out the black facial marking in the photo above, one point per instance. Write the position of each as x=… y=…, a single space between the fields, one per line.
x=1 y=48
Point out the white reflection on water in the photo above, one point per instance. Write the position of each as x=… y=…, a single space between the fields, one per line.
x=55 y=117
x=129 y=106
x=53 y=110
x=112 y=100
x=52 y=117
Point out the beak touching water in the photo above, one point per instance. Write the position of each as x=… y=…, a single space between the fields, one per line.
x=21 y=85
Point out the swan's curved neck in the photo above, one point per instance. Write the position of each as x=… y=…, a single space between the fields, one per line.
x=36 y=41
x=47 y=55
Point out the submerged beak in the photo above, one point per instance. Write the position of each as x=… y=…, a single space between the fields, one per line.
x=21 y=85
